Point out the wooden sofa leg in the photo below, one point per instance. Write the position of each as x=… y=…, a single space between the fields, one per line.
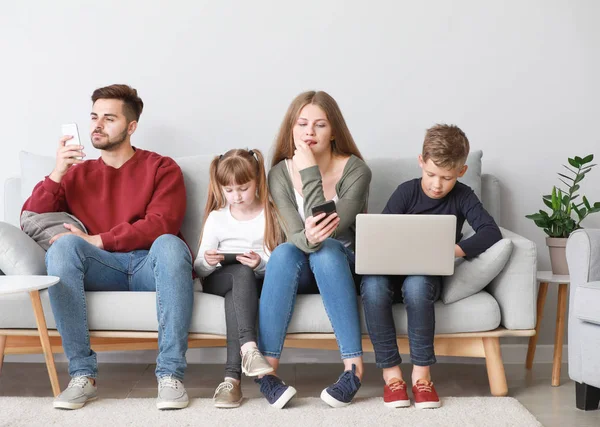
x=587 y=397
x=495 y=367
x=2 y=347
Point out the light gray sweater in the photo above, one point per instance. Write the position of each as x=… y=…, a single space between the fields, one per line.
x=352 y=190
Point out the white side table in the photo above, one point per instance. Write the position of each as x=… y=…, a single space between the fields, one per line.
x=544 y=278
x=33 y=285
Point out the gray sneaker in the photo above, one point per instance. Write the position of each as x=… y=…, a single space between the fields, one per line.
x=79 y=391
x=228 y=394
x=171 y=394
x=255 y=364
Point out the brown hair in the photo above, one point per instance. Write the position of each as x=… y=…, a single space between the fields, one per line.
x=239 y=167
x=446 y=145
x=343 y=144
x=132 y=103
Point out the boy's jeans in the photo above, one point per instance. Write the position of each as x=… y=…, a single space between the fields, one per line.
x=166 y=268
x=329 y=271
x=419 y=293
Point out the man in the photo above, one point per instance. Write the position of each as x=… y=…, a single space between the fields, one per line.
x=132 y=203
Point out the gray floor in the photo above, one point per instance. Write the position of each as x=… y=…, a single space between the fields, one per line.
x=552 y=406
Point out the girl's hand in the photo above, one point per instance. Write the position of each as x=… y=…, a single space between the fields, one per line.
x=251 y=259
x=303 y=156
x=212 y=257
x=317 y=233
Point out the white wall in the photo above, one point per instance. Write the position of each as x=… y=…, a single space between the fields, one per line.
x=520 y=78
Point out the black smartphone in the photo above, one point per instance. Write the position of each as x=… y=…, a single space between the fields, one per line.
x=327 y=207
x=230 y=258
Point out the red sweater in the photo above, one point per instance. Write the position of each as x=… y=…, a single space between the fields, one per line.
x=128 y=207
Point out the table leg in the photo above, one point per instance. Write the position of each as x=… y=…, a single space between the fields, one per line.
x=561 y=309
x=45 y=339
x=541 y=300
x=2 y=346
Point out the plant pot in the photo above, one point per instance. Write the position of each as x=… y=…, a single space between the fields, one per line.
x=558 y=255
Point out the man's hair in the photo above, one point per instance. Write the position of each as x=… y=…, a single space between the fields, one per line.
x=446 y=145
x=132 y=103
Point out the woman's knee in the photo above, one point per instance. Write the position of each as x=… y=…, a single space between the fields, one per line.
x=331 y=251
x=285 y=254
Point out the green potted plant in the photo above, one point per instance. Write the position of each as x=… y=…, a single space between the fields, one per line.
x=567 y=211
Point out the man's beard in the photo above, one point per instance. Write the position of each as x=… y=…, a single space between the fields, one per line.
x=111 y=144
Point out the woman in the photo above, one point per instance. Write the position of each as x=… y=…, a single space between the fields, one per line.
x=315 y=160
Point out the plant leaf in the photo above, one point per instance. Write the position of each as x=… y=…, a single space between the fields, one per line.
x=570 y=170
x=578 y=159
x=587 y=158
x=567 y=177
x=573 y=163
x=586 y=203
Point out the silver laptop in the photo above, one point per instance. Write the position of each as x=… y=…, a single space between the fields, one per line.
x=405 y=244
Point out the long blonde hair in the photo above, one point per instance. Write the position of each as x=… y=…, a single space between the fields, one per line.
x=239 y=167
x=343 y=144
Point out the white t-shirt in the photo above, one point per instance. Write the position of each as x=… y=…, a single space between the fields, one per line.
x=227 y=234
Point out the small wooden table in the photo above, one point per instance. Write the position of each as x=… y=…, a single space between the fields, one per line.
x=544 y=278
x=33 y=285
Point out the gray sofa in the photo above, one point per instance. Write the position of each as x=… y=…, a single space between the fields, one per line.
x=583 y=257
x=469 y=327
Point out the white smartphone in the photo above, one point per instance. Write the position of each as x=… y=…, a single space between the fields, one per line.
x=71 y=129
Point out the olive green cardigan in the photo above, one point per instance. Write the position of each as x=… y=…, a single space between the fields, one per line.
x=352 y=190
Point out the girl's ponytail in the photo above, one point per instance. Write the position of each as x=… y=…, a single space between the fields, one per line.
x=215 y=199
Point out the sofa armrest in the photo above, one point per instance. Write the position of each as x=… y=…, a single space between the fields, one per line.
x=19 y=253
x=583 y=257
x=515 y=288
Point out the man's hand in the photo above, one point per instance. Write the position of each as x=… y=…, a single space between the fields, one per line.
x=303 y=156
x=458 y=252
x=251 y=259
x=317 y=233
x=65 y=158
x=212 y=257
x=92 y=240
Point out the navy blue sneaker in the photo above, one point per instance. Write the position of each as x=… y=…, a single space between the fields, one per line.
x=342 y=392
x=275 y=390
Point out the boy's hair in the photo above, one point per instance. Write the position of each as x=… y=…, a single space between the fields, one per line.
x=342 y=144
x=446 y=145
x=132 y=103
x=237 y=167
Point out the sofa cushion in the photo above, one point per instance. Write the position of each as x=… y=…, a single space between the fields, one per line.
x=389 y=173
x=472 y=275
x=43 y=227
x=112 y=311
x=19 y=253
x=587 y=302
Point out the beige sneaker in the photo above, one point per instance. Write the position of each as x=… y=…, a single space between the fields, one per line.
x=254 y=363
x=228 y=394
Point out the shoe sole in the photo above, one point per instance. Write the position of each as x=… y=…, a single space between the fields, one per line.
x=332 y=401
x=398 y=404
x=258 y=372
x=284 y=398
x=69 y=405
x=428 y=405
x=228 y=405
x=172 y=405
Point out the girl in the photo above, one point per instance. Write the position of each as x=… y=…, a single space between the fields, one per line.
x=315 y=160
x=239 y=219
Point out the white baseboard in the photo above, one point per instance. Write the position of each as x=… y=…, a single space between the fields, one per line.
x=511 y=354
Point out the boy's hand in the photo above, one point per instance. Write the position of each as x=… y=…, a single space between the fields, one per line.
x=92 y=240
x=458 y=252
x=317 y=233
x=251 y=259
x=212 y=257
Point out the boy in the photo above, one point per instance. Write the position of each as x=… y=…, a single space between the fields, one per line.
x=442 y=161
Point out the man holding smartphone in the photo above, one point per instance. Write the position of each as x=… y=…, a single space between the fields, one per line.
x=132 y=202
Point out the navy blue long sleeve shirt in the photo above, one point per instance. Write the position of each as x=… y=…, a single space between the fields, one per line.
x=461 y=201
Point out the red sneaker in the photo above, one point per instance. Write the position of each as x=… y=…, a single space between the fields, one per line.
x=425 y=395
x=394 y=394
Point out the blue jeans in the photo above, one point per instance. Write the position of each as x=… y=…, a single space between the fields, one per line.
x=329 y=271
x=166 y=268
x=419 y=293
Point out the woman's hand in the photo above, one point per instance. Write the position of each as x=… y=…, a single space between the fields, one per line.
x=316 y=233
x=212 y=257
x=251 y=259
x=303 y=156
